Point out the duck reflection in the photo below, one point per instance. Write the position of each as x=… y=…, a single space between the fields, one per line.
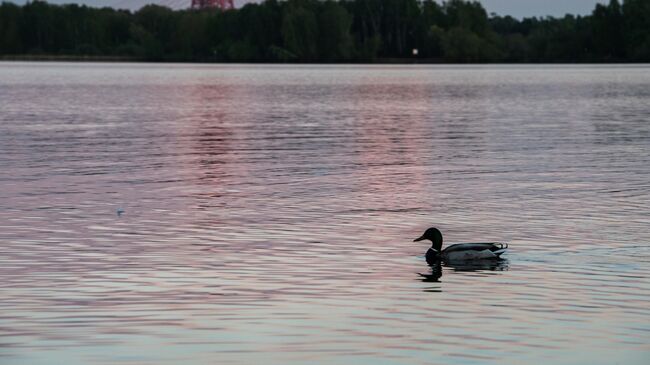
x=435 y=273
x=480 y=265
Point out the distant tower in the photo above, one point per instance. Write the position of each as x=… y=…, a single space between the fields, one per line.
x=206 y=4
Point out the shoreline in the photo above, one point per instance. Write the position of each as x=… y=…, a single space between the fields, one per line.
x=377 y=61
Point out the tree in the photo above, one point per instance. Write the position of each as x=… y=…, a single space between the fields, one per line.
x=10 y=15
x=637 y=29
x=300 y=32
x=462 y=45
x=190 y=39
x=607 y=30
x=157 y=24
x=430 y=30
x=335 y=42
x=468 y=15
x=328 y=31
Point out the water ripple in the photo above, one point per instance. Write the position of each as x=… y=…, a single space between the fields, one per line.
x=269 y=213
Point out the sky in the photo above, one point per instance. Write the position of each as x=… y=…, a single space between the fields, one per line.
x=516 y=8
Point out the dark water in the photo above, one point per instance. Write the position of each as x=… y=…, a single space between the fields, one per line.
x=269 y=214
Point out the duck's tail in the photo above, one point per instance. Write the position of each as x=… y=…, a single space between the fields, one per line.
x=501 y=248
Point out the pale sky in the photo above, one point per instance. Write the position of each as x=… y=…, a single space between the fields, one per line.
x=517 y=8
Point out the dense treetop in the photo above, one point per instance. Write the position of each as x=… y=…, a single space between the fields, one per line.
x=328 y=31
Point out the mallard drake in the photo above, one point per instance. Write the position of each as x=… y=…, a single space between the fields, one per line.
x=460 y=251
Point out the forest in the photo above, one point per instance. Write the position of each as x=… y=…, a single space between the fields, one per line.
x=454 y=31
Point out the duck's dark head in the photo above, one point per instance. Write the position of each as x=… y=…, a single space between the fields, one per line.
x=434 y=235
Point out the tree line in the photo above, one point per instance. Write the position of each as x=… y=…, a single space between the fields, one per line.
x=328 y=31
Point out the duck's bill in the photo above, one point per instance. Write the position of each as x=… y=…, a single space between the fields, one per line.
x=418 y=239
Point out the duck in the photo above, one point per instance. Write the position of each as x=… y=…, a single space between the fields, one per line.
x=460 y=252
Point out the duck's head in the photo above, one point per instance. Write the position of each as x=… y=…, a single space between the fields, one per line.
x=434 y=235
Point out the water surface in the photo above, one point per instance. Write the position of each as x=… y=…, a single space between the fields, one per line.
x=269 y=213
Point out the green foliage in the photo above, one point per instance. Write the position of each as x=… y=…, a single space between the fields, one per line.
x=607 y=30
x=10 y=29
x=469 y=15
x=636 y=29
x=300 y=32
x=328 y=31
x=462 y=45
x=335 y=42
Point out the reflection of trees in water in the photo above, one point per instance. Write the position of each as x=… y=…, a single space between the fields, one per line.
x=212 y=145
x=388 y=118
x=612 y=133
x=618 y=121
x=210 y=131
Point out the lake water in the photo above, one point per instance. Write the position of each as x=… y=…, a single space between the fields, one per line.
x=269 y=213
